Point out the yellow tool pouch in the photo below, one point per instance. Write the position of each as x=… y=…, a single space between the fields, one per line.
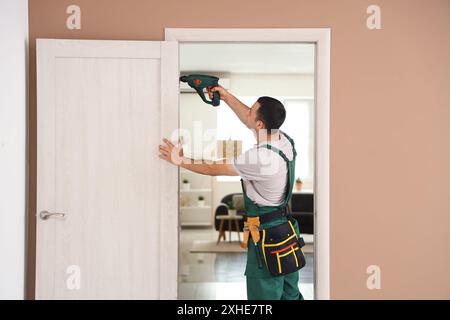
x=282 y=249
x=251 y=227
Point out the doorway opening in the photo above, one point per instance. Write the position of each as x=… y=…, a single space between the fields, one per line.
x=211 y=261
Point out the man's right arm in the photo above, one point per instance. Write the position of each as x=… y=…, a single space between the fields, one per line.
x=235 y=104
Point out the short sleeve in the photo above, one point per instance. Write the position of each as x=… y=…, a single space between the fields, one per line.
x=256 y=164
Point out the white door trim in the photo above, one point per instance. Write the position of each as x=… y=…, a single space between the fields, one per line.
x=322 y=38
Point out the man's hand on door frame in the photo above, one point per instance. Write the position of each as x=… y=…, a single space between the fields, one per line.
x=174 y=154
x=171 y=153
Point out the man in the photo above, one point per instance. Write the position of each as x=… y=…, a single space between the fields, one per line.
x=267 y=177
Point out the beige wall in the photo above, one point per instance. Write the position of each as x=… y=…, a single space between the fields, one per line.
x=390 y=151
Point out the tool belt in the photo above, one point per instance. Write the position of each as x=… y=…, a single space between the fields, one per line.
x=281 y=246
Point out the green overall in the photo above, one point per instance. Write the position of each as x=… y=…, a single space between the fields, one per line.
x=261 y=285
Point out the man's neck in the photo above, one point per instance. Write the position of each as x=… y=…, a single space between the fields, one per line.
x=268 y=138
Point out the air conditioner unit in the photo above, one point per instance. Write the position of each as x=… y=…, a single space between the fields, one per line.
x=224 y=82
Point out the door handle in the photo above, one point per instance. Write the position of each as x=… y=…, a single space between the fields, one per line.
x=44 y=215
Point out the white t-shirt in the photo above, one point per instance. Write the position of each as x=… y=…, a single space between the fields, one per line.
x=264 y=172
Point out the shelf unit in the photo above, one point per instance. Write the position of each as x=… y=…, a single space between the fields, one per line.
x=191 y=214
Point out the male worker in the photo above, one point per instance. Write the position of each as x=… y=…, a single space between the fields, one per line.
x=267 y=177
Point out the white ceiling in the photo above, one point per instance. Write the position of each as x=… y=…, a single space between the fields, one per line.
x=267 y=58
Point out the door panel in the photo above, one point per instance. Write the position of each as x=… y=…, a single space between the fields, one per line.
x=100 y=121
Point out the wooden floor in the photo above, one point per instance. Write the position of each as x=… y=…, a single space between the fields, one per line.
x=210 y=276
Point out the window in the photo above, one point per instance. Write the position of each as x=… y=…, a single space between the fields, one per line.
x=299 y=125
x=230 y=127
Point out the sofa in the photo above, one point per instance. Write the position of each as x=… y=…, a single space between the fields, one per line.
x=301 y=205
x=302 y=208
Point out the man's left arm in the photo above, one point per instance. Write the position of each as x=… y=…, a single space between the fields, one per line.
x=174 y=154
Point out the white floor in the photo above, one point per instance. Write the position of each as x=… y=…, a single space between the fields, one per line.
x=209 y=276
x=227 y=291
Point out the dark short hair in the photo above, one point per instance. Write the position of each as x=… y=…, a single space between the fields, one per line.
x=271 y=112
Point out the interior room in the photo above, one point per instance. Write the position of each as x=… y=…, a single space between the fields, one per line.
x=211 y=260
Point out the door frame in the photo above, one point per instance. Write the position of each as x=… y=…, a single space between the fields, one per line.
x=321 y=37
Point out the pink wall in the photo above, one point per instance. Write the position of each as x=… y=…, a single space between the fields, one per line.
x=390 y=112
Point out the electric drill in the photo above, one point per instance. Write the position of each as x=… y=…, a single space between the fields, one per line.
x=200 y=82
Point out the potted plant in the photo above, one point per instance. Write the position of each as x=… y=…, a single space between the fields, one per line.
x=201 y=201
x=231 y=209
x=186 y=184
x=298 y=184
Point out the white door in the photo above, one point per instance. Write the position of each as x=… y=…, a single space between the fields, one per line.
x=107 y=207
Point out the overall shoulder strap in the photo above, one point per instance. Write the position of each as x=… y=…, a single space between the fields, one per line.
x=290 y=166
x=281 y=153
x=291 y=142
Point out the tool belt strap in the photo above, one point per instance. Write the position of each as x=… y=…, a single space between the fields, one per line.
x=251 y=226
x=282 y=212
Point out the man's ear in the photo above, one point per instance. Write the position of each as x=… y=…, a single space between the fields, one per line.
x=260 y=124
